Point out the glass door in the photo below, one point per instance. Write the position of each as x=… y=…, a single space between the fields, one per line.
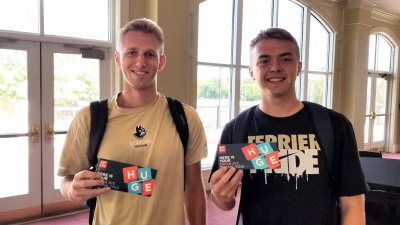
x=376 y=113
x=380 y=71
x=70 y=82
x=20 y=130
x=43 y=86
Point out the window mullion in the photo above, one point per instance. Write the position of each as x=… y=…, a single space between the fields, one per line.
x=236 y=57
x=376 y=52
x=329 y=89
x=305 y=55
x=274 y=14
x=41 y=18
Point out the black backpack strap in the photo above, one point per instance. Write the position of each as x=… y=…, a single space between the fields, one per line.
x=99 y=117
x=98 y=123
x=179 y=117
x=324 y=128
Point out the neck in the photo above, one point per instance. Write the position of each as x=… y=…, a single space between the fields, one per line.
x=133 y=99
x=281 y=108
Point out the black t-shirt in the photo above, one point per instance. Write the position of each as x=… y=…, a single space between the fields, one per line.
x=301 y=190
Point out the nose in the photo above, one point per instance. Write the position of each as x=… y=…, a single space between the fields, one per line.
x=140 y=60
x=276 y=66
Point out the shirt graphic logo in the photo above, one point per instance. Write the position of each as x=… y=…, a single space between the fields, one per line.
x=140 y=132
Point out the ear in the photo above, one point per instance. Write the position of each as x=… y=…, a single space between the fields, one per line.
x=117 y=59
x=161 y=64
x=299 y=66
x=251 y=73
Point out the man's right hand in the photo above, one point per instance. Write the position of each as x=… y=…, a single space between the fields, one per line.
x=224 y=183
x=79 y=187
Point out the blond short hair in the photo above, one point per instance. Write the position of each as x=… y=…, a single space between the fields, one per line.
x=143 y=25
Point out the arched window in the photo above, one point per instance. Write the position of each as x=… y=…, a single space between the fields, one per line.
x=226 y=27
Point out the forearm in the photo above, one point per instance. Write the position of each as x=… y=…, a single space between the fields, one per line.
x=195 y=199
x=352 y=210
x=195 y=205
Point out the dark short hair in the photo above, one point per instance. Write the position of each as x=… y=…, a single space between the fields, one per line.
x=277 y=34
x=146 y=26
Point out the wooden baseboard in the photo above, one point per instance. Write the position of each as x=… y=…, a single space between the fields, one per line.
x=396 y=148
x=20 y=215
x=33 y=213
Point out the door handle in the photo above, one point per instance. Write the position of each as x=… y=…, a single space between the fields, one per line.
x=34 y=134
x=373 y=115
x=48 y=128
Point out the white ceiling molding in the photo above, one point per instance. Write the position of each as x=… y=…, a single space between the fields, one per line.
x=363 y=4
x=341 y=2
x=385 y=16
x=391 y=7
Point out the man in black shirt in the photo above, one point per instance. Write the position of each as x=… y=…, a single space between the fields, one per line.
x=301 y=190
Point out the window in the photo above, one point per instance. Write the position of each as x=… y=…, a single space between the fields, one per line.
x=224 y=87
x=27 y=18
x=90 y=18
x=85 y=19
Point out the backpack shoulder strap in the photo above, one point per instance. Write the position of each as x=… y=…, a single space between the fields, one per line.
x=98 y=123
x=240 y=126
x=99 y=117
x=179 y=117
x=324 y=128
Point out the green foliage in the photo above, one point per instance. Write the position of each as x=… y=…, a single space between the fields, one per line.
x=249 y=91
x=316 y=90
x=13 y=75
x=77 y=85
x=75 y=82
x=215 y=88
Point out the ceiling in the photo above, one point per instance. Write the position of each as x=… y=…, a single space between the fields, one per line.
x=389 y=6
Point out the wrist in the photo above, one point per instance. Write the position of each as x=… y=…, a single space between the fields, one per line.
x=224 y=204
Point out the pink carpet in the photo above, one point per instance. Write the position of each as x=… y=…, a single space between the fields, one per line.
x=73 y=219
x=391 y=155
x=215 y=216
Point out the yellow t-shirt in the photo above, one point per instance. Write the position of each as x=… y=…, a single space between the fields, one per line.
x=160 y=149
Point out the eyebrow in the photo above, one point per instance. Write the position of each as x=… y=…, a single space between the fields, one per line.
x=136 y=48
x=280 y=55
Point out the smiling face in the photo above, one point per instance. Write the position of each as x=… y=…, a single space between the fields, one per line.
x=139 y=57
x=275 y=65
